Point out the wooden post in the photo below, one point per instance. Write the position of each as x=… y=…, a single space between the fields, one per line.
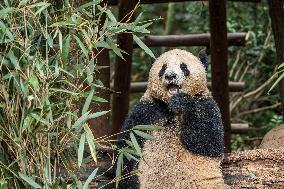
x=101 y=126
x=276 y=10
x=122 y=74
x=219 y=60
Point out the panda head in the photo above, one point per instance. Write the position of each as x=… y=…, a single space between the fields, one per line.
x=174 y=72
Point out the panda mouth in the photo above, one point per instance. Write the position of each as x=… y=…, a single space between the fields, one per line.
x=173 y=89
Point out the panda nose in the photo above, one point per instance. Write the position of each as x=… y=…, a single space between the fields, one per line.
x=170 y=76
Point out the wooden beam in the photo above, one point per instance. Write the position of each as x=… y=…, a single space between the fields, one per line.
x=140 y=87
x=115 y=2
x=234 y=39
x=122 y=70
x=219 y=63
x=276 y=10
x=238 y=128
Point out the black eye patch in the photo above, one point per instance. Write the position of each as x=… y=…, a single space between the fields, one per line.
x=184 y=69
x=162 y=71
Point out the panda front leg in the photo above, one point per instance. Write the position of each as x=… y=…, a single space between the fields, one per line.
x=144 y=113
x=202 y=134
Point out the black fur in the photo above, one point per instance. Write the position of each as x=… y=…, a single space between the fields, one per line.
x=162 y=71
x=202 y=130
x=202 y=55
x=144 y=113
x=184 y=69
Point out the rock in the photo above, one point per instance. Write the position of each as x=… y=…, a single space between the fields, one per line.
x=274 y=138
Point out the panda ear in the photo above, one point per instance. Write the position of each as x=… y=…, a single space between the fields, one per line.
x=202 y=55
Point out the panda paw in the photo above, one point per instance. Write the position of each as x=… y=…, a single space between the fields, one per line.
x=181 y=102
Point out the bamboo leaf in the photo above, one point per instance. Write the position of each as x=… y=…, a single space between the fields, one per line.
x=90 y=140
x=99 y=99
x=65 y=50
x=135 y=144
x=81 y=149
x=90 y=179
x=115 y=49
x=119 y=166
x=144 y=135
x=81 y=120
x=143 y=46
x=27 y=123
x=97 y=114
x=43 y=7
x=147 y=127
x=40 y=119
x=276 y=82
x=6 y=11
x=82 y=46
x=34 y=82
x=30 y=181
x=88 y=102
x=130 y=157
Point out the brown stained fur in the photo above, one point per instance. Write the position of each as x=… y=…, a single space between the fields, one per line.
x=179 y=168
x=167 y=164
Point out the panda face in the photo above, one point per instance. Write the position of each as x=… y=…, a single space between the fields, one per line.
x=176 y=71
x=173 y=75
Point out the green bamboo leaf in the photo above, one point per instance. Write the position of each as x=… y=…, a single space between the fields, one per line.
x=81 y=149
x=60 y=40
x=82 y=46
x=55 y=90
x=99 y=99
x=143 y=46
x=135 y=144
x=3 y=184
x=90 y=179
x=147 y=127
x=23 y=2
x=5 y=12
x=119 y=166
x=88 y=101
x=43 y=7
x=30 y=181
x=86 y=5
x=40 y=119
x=144 y=135
x=276 y=82
x=130 y=157
x=129 y=143
x=65 y=50
x=27 y=123
x=97 y=114
x=81 y=120
x=90 y=140
x=115 y=49
x=111 y=16
x=138 y=18
x=13 y=59
x=34 y=82
x=40 y=4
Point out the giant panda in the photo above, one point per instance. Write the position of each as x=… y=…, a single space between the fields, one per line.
x=186 y=154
